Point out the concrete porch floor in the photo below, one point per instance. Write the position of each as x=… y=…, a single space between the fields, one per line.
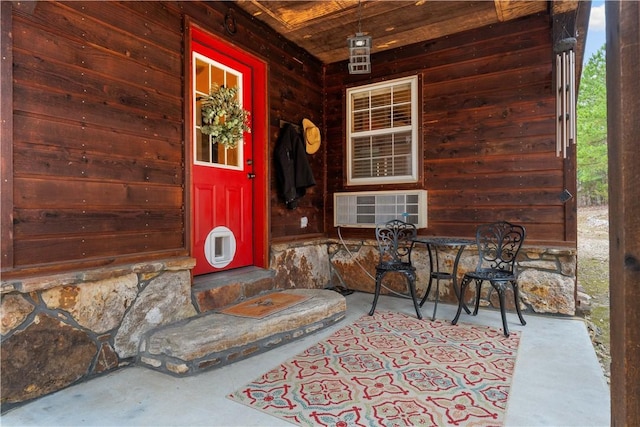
x=557 y=381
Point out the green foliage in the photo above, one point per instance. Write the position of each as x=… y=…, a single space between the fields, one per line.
x=592 y=131
x=223 y=117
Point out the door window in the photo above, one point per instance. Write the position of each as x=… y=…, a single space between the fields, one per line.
x=207 y=152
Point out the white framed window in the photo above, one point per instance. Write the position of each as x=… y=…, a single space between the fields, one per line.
x=382 y=132
x=207 y=152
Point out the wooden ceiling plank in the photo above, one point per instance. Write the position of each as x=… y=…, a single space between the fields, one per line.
x=425 y=32
x=323 y=27
x=423 y=22
x=287 y=16
x=513 y=9
x=382 y=17
x=562 y=6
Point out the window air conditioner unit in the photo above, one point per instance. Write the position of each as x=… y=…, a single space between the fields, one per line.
x=366 y=209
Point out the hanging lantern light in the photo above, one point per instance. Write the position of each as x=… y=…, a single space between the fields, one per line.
x=359 y=50
x=359 y=54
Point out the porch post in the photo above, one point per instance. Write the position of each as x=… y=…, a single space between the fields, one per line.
x=623 y=68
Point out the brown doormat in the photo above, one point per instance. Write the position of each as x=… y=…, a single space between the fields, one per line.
x=265 y=305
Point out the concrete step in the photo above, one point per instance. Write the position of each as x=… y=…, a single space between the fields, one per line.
x=212 y=292
x=213 y=339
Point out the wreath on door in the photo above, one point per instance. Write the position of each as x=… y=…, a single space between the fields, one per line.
x=222 y=116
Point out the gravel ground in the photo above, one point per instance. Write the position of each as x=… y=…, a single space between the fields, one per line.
x=593 y=232
x=593 y=277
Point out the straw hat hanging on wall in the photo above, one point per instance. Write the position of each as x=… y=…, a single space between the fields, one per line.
x=311 y=136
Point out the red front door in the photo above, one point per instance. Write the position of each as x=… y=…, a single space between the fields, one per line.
x=222 y=184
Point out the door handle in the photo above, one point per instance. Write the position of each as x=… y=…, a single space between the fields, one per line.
x=251 y=175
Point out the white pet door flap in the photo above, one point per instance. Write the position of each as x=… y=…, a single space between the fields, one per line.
x=220 y=247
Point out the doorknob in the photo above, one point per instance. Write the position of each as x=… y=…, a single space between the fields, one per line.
x=251 y=175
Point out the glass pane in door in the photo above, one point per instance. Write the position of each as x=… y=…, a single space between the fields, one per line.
x=208 y=74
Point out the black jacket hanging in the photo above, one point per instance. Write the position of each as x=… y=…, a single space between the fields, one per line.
x=292 y=166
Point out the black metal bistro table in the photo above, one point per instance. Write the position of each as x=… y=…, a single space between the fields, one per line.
x=433 y=243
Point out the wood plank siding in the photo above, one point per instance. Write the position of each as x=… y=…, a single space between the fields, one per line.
x=97 y=142
x=488 y=130
x=99 y=173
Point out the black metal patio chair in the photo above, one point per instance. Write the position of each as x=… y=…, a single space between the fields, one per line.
x=395 y=240
x=498 y=247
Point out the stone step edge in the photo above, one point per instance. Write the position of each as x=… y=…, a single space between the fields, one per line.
x=213 y=293
x=240 y=275
x=179 y=367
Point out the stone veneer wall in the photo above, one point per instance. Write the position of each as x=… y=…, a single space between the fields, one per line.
x=547 y=275
x=301 y=264
x=58 y=330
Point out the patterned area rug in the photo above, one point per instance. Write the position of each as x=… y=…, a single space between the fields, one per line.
x=392 y=369
x=265 y=305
